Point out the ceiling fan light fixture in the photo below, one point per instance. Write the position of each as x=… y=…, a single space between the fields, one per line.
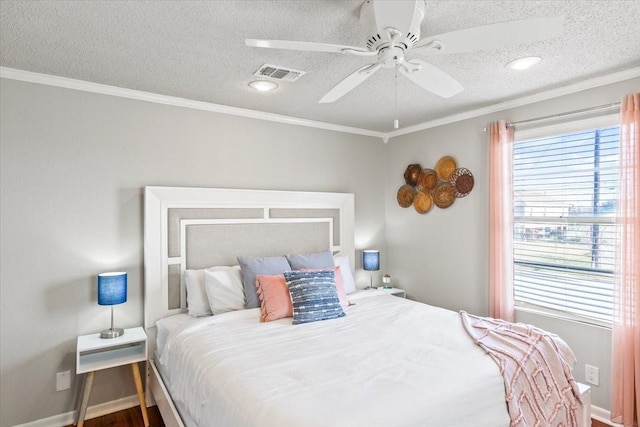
x=525 y=63
x=263 y=85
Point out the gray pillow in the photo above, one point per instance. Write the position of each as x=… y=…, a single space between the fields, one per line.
x=311 y=261
x=252 y=267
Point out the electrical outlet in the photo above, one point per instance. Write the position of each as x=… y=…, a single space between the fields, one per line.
x=591 y=374
x=63 y=380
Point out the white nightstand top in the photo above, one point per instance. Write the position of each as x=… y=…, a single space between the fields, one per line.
x=390 y=290
x=393 y=291
x=379 y=291
x=94 y=353
x=94 y=342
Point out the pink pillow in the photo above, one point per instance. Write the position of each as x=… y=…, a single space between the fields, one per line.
x=275 y=300
x=337 y=274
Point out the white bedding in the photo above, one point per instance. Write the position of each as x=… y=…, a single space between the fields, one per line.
x=388 y=362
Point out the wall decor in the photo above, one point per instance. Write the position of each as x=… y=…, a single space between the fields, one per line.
x=462 y=181
x=445 y=167
x=440 y=186
x=422 y=202
x=411 y=174
x=405 y=195
x=427 y=180
x=445 y=195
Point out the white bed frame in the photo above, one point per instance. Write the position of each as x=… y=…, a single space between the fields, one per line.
x=158 y=202
x=157 y=259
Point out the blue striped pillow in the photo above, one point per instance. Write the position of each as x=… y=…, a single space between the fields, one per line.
x=314 y=296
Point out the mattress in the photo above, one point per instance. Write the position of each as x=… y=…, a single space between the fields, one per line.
x=388 y=362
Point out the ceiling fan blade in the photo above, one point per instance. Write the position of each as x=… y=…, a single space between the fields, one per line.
x=492 y=36
x=350 y=82
x=431 y=78
x=309 y=46
x=396 y=14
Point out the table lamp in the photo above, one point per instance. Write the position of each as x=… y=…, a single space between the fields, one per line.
x=112 y=290
x=371 y=263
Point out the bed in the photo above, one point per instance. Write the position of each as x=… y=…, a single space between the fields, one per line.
x=387 y=361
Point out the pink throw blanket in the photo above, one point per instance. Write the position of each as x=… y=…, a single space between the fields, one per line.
x=536 y=366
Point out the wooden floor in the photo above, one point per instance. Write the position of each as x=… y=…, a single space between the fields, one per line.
x=131 y=417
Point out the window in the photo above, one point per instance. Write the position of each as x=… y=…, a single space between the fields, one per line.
x=565 y=189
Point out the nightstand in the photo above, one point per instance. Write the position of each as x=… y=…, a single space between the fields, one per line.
x=394 y=291
x=94 y=354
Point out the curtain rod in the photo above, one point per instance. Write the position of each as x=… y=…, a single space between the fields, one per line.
x=569 y=113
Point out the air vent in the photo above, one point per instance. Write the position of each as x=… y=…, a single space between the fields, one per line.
x=279 y=73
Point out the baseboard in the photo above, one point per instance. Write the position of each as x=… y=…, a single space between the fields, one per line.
x=92 y=412
x=603 y=415
x=95 y=411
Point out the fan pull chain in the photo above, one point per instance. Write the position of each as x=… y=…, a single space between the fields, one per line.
x=395 y=100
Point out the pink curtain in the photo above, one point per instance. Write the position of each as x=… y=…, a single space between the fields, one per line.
x=625 y=408
x=501 y=221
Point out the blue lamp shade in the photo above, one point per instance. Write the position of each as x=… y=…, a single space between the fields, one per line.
x=371 y=260
x=112 y=288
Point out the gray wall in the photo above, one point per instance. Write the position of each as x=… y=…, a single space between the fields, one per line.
x=441 y=257
x=73 y=167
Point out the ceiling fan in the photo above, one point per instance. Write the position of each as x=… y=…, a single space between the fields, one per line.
x=393 y=33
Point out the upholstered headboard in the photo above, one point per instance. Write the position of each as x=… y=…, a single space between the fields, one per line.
x=191 y=228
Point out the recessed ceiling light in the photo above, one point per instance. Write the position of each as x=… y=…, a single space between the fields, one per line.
x=263 y=85
x=523 y=63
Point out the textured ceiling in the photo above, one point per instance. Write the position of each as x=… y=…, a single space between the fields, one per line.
x=195 y=50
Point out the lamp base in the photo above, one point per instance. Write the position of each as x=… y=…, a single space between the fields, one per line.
x=112 y=333
x=370 y=281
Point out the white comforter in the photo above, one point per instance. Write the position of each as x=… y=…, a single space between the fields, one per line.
x=388 y=362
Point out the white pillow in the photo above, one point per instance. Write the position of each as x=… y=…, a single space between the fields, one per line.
x=225 y=291
x=197 y=301
x=347 y=276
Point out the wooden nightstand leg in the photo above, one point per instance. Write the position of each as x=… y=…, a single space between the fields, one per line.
x=143 y=405
x=86 y=392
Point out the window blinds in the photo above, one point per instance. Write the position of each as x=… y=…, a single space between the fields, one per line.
x=565 y=190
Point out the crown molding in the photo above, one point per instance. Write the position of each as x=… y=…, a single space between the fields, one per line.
x=620 y=76
x=51 y=80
